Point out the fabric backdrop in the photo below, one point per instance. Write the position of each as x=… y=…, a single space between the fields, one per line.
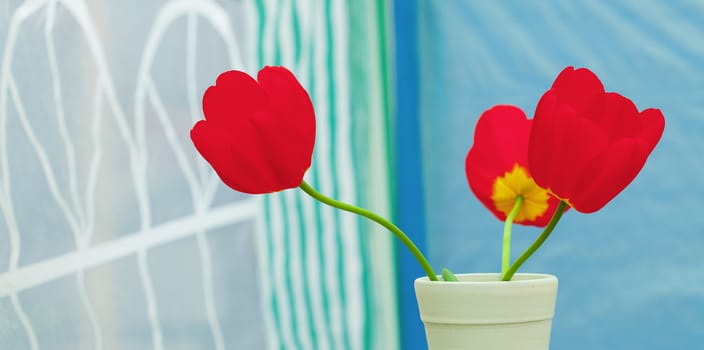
x=631 y=275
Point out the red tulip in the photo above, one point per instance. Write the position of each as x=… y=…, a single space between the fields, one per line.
x=258 y=135
x=587 y=145
x=497 y=167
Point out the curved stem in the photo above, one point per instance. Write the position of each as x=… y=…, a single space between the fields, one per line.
x=508 y=224
x=379 y=220
x=538 y=242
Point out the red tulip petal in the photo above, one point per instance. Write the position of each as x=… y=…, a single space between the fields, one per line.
x=284 y=154
x=544 y=144
x=286 y=93
x=289 y=99
x=500 y=143
x=561 y=145
x=505 y=131
x=258 y=136
x=500 y=139
x=496 y=148
x=213 y=148
x=652 y=124
x=238 y=169
x=234 y=95
x=577 y=87
x=608 y=174
x=618 y=117
x=587 y=145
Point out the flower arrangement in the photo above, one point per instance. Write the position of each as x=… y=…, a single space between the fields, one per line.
x=582 y=148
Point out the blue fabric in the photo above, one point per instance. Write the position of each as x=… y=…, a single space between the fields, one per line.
x=631 y=275
x=408 y=180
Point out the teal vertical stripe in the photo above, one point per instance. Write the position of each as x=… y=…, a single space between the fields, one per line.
x=302 y=226
x=261 y=13
x=288 y=269
x=322 y=266
x=289 y=213
x=277 y=23
x=359 y=63
x=333 y=161
x=383 y=57
x=304 y=253
x=273 y=301
x=275 y=310
x=289 y=48
x=270 y=256
x=296 y=33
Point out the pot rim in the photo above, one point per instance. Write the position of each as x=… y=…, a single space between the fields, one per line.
x=486 y=300
x=491 y=279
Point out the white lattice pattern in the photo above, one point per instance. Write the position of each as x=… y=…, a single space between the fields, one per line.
x=73 y=186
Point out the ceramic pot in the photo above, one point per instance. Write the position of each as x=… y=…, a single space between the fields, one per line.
x=482 y=312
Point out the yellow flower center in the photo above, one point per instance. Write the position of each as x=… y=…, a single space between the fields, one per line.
x=514 y=183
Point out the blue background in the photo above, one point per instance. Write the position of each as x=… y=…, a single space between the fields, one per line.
x=631 y=275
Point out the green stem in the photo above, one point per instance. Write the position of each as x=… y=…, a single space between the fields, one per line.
x=508 y=224
x=448 y=276
x=378 y=219
x=538 y=242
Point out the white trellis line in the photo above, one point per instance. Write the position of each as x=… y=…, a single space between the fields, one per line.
x=36 y=274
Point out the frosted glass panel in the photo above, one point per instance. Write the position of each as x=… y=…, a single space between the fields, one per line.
x=115 y=234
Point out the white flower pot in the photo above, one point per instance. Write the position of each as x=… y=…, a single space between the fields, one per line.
x=482 y=312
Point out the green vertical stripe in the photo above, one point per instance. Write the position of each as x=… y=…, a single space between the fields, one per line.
x=299 y=206
x=287 y=230
x=287 y=268
x=261 y=9
x=359 y=123
x=383 y=58
x=261 y=12
x=277 y=27
x=270 y=249
x=296 y=32
x=318 y=215
x=360 y=114
x=304 y=254
x=333 y=161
